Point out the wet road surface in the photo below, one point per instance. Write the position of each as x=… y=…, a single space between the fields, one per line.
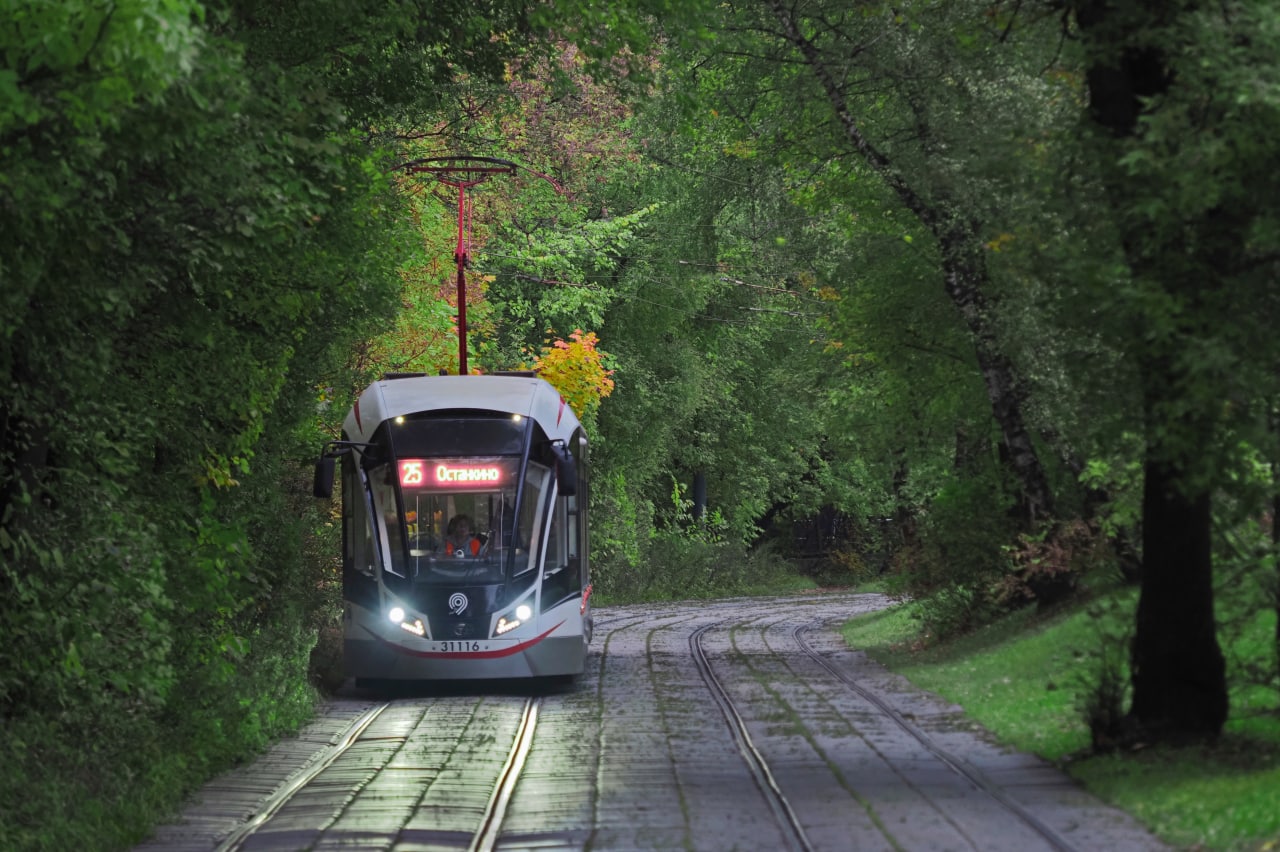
x=741 y=724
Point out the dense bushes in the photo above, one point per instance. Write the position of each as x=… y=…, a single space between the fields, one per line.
x=191 y=243
x=647 y=553
x=969 y=561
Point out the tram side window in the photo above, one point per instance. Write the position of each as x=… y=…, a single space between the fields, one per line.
x=573 y=535
x=572 y=539
x=555 y=559
x=382 y=481
x=562 y=576
x=357 y=532
x=531 y=517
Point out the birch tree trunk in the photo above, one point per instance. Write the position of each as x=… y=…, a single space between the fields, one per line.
x=965 y=274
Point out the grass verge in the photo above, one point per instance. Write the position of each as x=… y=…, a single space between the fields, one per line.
x=1026 y=677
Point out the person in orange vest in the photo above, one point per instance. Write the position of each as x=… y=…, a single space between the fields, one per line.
x=460 y=541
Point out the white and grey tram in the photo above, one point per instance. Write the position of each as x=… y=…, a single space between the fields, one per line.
x=464 y=529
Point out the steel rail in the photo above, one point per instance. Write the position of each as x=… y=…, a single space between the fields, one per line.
x=486 y=837
x=280 y=797
x=609 y=627
x=956 y=764
x=759 y=767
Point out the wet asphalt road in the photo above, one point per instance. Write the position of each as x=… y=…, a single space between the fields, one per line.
x=728 y=725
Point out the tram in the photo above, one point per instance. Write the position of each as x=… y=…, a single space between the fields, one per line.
x=464 y=529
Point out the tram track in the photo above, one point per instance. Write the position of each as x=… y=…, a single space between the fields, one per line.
x=484 y=838
x=954 y=762
x=646 y=620
x=696 y=726
x=783 y=812
x=491 y=825
x=282 y=796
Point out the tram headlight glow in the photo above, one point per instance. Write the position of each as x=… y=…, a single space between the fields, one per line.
x=397 y=615
x=513 y=619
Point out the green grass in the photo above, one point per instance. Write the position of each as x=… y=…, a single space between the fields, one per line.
x=1024 y=678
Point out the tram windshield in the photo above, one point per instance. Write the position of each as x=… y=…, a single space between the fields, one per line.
x=459 y=521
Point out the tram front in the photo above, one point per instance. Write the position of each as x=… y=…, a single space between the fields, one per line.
x=464 y=546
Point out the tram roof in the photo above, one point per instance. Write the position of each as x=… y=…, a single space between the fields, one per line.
x=528 y=396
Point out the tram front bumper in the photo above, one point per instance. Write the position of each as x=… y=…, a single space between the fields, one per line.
x=380 y=659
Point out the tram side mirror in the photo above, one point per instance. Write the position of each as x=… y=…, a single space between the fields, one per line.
x=566 y=470
x=323 y=485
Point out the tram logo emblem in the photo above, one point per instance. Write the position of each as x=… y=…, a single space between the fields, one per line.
x=458 y=603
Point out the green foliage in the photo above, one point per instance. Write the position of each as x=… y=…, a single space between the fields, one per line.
x=1123 y=484
x=1184 y=183
x=958 y=564
x=620 y=526
x=1103 y=690
x=556 y=275
x=1246 y=610
x=195 y=238
x=686 y=557
x=956 y=608
x=84 y=65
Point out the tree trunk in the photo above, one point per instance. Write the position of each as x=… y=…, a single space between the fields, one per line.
x=1179 y=676
x=699 y=495
x=966 y=277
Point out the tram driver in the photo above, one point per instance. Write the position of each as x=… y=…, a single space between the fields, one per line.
x=460 y=541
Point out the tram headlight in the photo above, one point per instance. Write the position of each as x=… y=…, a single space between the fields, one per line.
x=413 y=624
x=513 y=619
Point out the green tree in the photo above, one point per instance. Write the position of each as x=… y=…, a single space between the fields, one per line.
x=196 y=230
x=846 y=53
x=1182 y=99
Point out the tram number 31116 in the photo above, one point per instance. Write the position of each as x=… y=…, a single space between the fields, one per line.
x=449 y=647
